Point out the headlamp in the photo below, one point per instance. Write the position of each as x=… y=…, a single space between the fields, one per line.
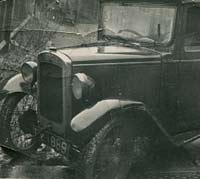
x=82 y=85
x=29 y=72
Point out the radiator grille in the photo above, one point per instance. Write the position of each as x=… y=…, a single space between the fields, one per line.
x=51 y=92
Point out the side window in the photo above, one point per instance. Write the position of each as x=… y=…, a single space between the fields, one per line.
x=192 y=33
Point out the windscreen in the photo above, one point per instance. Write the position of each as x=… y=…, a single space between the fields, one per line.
x=136 y=21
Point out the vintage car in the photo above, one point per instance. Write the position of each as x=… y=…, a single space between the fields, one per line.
x=104 y=105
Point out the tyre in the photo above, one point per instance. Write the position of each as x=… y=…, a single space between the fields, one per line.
x=19 y=123
x=111 y=152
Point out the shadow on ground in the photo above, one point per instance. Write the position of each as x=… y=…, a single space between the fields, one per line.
x=166 y=163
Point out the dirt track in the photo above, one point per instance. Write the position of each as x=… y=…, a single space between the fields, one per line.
x=46 y=165
x=171 y=163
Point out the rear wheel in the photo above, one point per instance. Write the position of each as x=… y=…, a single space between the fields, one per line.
x=19 y=122
x=109 y=155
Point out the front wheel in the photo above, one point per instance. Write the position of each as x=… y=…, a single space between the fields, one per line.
x=19 y=122
x=109 y=155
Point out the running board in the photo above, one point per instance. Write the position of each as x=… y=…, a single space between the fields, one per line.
x=186 y=137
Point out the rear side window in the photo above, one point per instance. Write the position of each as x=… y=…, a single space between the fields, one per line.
x=192 y=35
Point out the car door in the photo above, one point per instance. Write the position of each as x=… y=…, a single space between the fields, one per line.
x=189 y=83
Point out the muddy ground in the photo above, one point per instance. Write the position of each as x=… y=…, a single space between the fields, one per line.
x=47 y=164
x=166 y=164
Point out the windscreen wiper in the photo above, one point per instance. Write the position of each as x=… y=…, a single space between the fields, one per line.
x=122 y=40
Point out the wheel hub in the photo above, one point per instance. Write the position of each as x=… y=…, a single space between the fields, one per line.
x=28 y=121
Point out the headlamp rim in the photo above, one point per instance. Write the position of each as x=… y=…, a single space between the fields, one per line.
x=74 y=90
x=33 y=67
x=86 y=84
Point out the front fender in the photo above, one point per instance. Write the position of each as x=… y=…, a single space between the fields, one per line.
x=14 y=84
x=88 y=116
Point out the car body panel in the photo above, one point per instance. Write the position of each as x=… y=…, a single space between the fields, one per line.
x=105 y=53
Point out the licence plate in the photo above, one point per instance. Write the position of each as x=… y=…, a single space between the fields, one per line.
x=57 y=143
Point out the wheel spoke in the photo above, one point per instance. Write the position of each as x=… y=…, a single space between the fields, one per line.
x=18 y=137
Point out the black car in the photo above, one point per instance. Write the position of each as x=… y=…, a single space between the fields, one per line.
x=103 y=105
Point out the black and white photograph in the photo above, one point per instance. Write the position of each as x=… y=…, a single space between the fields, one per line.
x=99 y=89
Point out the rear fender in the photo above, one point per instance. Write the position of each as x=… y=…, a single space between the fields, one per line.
x=14 y=84
x=89 y=116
